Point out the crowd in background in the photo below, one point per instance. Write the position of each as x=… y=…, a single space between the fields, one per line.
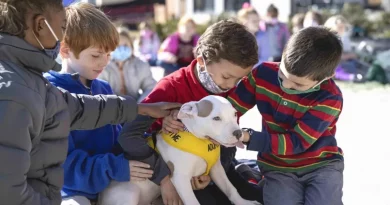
x=129 y=72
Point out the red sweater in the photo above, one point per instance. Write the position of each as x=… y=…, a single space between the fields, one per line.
x=181 y=86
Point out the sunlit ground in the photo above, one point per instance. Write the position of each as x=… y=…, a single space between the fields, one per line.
x=363 y=132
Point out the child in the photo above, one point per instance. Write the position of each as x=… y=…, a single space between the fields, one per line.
x=249 y=17
x=37 y=116
x=273 y=36
x=94 y=157
x=300 y=105
x=177 y=49
x=312 y=18
x=297 y=22
x=348 y=67
x=219 y=66
x=126 y=73
x=147 y=45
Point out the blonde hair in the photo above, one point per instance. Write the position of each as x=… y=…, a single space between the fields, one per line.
x=144 y=25
x=243 y=14
x=334 y=21
x=87 y=26
x=297 y=20
x=314 y=16
x=13 y=13
x=186 y=20
x=122 y=31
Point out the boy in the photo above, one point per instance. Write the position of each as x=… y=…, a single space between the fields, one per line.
x=37 y=116
x=94 y=157
x=300 y=105
x=219 y=66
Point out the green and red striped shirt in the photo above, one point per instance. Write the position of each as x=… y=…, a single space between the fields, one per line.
x=298 y=130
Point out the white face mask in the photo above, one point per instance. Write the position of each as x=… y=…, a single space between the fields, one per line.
x=207 y=81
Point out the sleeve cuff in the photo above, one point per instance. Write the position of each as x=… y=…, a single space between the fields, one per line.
x=260 y=142
x=123 y=167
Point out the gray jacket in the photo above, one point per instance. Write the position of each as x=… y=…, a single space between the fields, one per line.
x=137 y=74
x=36 y=118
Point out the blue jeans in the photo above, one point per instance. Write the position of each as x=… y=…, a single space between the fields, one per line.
x=322 y=186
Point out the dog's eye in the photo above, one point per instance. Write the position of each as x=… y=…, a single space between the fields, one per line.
x=235 y=114
x=217 y=118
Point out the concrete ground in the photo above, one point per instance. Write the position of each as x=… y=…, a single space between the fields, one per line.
x=361 y=133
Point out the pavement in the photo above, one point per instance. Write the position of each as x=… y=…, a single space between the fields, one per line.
x=361 y=133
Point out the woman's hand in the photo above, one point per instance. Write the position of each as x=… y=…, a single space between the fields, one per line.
x=139 y=171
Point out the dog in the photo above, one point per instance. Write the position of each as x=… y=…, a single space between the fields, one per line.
x=214 y=117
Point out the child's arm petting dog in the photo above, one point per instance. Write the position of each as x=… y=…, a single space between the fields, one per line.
x=135 y=146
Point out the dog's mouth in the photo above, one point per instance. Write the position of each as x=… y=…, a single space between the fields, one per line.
x=238 y=143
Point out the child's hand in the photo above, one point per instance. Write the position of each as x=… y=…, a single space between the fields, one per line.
x=201 y=182
x=171 y=124
x=139 y=171
x=157 y=110
x=246 y=135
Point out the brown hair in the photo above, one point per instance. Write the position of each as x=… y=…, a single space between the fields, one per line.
x=13 y=13
x=242 y=14
x=272 y=11
x=87 y=26
x=313 y=52
x=230 y=41
x=185 y=20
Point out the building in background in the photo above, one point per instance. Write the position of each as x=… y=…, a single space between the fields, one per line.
x=132 y=12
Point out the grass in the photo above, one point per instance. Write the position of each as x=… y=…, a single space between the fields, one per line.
x=369 y=86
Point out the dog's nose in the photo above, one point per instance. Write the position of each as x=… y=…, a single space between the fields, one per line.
x=237 y=134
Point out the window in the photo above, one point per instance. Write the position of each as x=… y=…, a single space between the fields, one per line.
x=203 y=5
x=234 y=5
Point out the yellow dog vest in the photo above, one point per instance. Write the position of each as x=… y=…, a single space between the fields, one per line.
x=187 y=142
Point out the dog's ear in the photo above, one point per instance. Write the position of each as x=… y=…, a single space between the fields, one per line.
x=188 y=110
x=204 y=108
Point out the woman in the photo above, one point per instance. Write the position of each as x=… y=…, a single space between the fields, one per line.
x=36 y=117
x=126 y=73
x=177 y=50
x=147 y=45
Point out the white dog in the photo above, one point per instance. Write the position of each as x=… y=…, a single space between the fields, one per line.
x=212 y=116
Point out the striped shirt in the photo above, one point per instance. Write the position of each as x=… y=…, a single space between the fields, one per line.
x=298 y=130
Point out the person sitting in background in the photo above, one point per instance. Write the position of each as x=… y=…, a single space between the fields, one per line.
x=348 y=67
x=312 y=18
x=126 y=73
x=273 y=36
x=147 y=45
x=297 y=22
x=177 y=49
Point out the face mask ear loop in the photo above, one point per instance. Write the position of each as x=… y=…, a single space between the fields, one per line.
x=36 y=38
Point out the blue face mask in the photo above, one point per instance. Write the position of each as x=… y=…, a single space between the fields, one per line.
x=53 y=52
x=121 y=53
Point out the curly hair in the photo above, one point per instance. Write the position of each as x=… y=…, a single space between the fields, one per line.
x=13 y=13
x=230 y=41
